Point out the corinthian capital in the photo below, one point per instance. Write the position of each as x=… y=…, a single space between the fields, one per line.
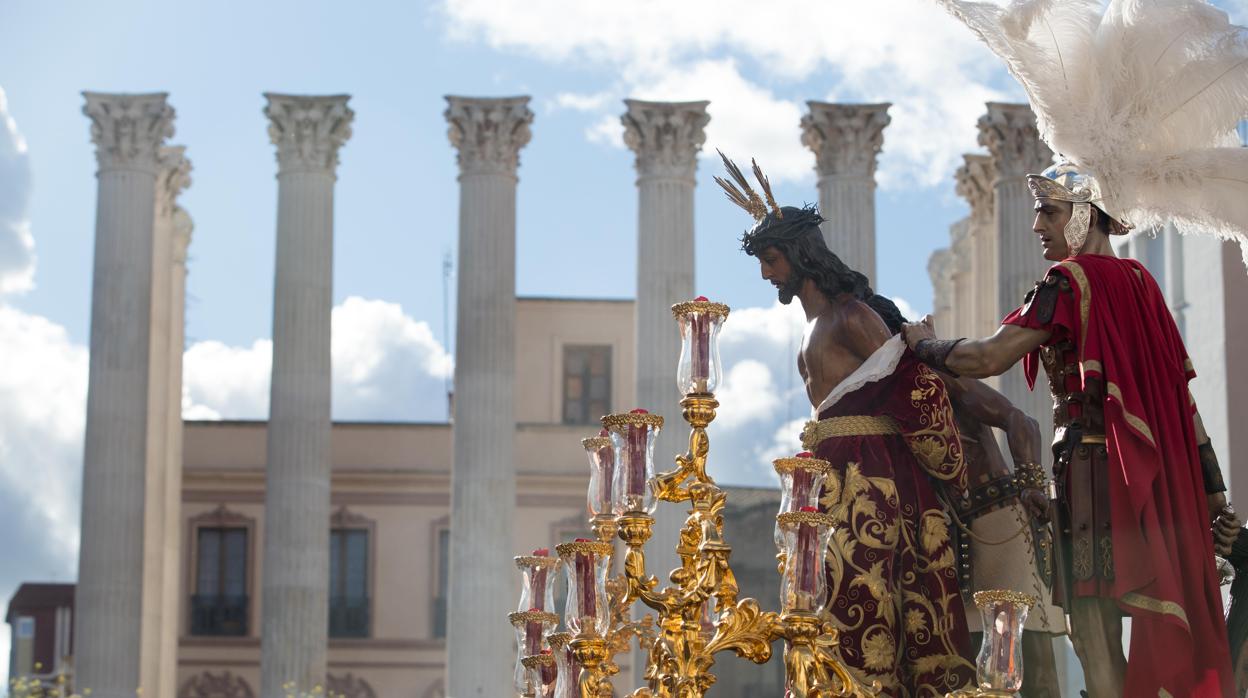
x=308 y=130
x=488 y=132
x=173 y=177
x=1009 y=132
x=666 y=136
x=974 y=179
x=128 y=130
x=846 y=138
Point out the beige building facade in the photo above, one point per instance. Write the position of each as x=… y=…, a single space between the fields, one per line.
x=390 y=503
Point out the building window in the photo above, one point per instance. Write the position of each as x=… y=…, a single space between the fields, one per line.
x=348 y=583
x=443 y=537
x=586 y=383
x=219 y=605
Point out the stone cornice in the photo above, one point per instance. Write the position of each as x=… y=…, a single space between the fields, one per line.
x=666 y=136
x=1009 y=132
x=128 y=129
x=308 y=130
x=174 y=176
x=488 y=133
x=974 y=183
x=846 y=138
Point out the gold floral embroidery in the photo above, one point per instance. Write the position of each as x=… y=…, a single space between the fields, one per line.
x=936 y=445
x=879 y=651
x=915 y=621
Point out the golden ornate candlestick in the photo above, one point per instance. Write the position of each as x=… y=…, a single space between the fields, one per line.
x=698 y=614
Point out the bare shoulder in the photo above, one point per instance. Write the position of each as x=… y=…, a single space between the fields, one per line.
x=862 y=328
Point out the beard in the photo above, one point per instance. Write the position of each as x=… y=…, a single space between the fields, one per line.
x=789 y=289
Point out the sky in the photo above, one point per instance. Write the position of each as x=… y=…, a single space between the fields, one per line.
x=396 y=194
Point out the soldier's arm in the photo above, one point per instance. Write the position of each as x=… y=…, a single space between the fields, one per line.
x=994 y=409
x=973 y=358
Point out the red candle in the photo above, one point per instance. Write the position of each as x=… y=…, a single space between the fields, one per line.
x=700 y=340
x=533 y=635
x=807 y=557
x=637 y=457
x=548 y=670
x=585 y=580
x=537 y=586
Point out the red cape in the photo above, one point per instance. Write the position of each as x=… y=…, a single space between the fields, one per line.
x=1163 y=552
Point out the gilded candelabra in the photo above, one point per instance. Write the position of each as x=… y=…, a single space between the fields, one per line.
x=698 y=614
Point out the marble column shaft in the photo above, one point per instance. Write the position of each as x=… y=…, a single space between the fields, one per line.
x=308 y=132
x=161 y=503
x=488 y=134
x=974 y=184
x=846 y=140
x=666 y=138
x=128 y=131
x=1009 y=133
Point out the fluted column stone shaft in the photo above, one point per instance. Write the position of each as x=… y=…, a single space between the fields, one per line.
x=161 y=504
x=308 y=131
x=666 y=138
x=846 y=140
x=175 y=223
x=128 y=131
x=1009 y=132
x=974 y=183
x=488 y=134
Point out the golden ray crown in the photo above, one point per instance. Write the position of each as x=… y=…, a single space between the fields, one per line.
x=743 y=195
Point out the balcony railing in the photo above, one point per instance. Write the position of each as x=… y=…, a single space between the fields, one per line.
x=348 y=617
x=218 y=615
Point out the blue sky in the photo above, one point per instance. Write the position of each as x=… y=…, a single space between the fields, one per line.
x=396 y=197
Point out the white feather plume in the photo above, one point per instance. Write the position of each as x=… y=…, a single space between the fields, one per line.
x=1145 y=94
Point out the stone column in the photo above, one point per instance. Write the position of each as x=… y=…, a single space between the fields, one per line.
x=846 y=139
x=161 y=502
x=666 y=137
x=974 y=183
x=128 y=131
x=961 y=301
x=308 y=131
x=1009 y=133
x=488 y=133
x=940 y=271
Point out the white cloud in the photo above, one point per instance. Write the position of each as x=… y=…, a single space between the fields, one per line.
x=579 y=102
x=751 y=59
x=17 y=245
x=747 y=395
x=906 y=309
x=386 y=366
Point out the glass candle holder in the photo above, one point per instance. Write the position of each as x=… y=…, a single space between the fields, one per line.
x=601 y=472
x=567 y=669
x=632 y=438
x=802 y=480
x=700 y=371
x=586 y=563
x=532 y=628
x=540 y=669
x=806 y=536
x=999 y=666
x=537 y=586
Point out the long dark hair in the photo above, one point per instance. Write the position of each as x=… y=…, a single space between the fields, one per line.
x=797 y=236
x=888 y=312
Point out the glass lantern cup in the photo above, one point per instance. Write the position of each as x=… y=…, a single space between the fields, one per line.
x=801 y=484
x=632 y=439
x=586 y=563
x=567 y=669
x=601 y=472
x=540 y=670
x=700 y=371
x=537 y=588
x=999 y=666
x=532 y=628
x=806 y=536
